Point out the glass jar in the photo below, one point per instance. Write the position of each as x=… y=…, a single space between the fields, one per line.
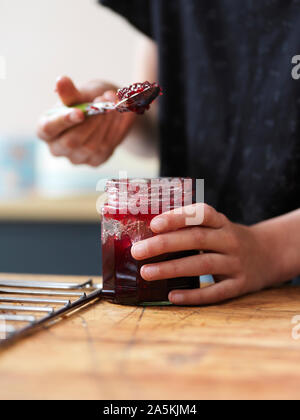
x=126 y=215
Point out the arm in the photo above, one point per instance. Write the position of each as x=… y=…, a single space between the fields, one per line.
x=242 y=259
x=281 y=237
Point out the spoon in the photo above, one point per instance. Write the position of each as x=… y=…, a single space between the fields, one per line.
x=137 y=102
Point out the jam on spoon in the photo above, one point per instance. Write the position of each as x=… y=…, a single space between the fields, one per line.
x=138 y=97
x=135 y=98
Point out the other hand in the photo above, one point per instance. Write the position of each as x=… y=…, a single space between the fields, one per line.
x=84 y=140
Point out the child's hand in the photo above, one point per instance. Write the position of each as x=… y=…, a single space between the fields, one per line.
x=237 y=256
x=84 y=140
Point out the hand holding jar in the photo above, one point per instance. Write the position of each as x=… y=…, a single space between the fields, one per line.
x=238 y=256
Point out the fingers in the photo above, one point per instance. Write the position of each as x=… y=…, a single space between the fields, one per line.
x=96 y=160
x=109 y=95
x=195 y=214
x=74 y=139
x=50 y=128
x=71 y=95
x=91 y=143
x=94 y=89
x=218 y=292
x=186 y=239
x=195 y=265
x=95 y=149
x=68 y=92
x=113 y=132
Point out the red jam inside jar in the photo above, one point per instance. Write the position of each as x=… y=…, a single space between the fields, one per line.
x=126 y=215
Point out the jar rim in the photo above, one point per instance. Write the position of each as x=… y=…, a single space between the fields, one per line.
x=164 y=181
x=158 y=192
x=145 y=180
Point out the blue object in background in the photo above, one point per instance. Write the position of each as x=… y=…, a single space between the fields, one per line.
x=17 y=166
x=207 y=279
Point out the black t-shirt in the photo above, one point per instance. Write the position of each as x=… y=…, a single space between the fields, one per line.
x=230 y=112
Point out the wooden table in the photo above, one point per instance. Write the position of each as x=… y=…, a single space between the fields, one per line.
x=239 y=349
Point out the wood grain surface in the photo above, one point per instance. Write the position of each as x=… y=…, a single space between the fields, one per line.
x=238 y=349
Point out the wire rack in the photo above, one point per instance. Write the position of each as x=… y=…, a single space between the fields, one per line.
x=26 y=306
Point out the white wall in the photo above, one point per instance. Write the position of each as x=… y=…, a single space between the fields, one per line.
x=42 y=39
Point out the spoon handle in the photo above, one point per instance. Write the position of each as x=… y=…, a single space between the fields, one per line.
x=88 y=109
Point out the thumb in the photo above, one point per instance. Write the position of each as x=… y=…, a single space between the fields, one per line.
x=67 y=91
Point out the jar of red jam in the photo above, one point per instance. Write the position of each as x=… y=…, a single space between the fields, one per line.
x=126 y=215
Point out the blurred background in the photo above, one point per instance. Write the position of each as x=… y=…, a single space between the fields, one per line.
x=48 y=218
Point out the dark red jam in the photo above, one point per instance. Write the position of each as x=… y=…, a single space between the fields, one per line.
x=126 y=218
x=151 y=92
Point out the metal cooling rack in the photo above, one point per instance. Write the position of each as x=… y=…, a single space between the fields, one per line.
x=26 y=306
